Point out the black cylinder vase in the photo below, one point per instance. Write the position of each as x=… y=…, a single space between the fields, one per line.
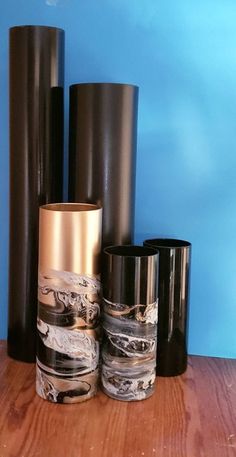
x=173 y=295
x=129 y=319
x=36 y=167
x=102 y=154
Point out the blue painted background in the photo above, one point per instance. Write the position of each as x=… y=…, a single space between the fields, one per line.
x=182 y=54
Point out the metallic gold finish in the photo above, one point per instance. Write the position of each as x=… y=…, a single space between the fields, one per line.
x=68 y=302
x=76 y=229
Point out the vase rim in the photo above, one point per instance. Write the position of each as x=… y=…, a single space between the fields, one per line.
x=130 y=251
x=104 y=84
x=35 y=26
x=168 y=243
x=70 y=207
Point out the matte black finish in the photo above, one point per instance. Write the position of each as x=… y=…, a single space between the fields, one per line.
x=173 y=305
x=102 y=156
x=36 y=167
x=128 y=275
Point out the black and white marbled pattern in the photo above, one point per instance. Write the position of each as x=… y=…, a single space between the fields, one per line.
x=59 y=280
x=127 y=338
x=68 y=336
x=77 y=349
x=145 y=314
x=74 y=389
x=129 y=350
x=69 y=297
x=131 y=382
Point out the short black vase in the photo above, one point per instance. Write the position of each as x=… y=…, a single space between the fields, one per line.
x=173 y=304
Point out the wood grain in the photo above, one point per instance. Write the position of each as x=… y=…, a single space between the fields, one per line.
x=193 y=415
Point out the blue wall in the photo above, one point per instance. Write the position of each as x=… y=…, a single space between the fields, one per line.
x=182 y=55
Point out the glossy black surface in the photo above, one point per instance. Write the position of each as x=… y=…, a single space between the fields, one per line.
x=173 y=305
x=102 y=156
x=36 y=166
x=130 y=275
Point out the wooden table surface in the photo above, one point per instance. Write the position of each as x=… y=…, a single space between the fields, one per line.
x=190 y=415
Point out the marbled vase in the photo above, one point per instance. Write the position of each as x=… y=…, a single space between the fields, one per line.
x=130 y=311
x=68 y=302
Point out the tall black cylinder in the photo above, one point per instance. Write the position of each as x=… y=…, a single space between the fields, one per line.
x=102 y=156
x=130 y=289
x=36 y=167
x=173 y=305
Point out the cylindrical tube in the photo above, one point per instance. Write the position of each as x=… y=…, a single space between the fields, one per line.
x=173 y=305
x=130 y=285
x=68 y=302
x=36 y=164
x=102 y=155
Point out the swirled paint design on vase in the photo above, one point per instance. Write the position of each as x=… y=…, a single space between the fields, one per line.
x=68 y=336
x=129 y=350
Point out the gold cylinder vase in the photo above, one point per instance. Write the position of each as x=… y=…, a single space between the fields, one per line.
x=68 y=302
